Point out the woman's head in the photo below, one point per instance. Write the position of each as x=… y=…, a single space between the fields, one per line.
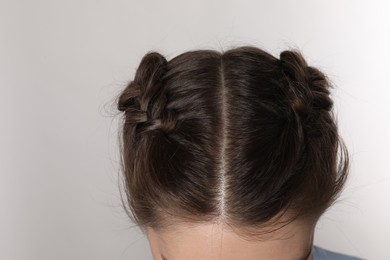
x=237 y=139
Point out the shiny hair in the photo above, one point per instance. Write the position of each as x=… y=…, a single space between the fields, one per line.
x=239 y=137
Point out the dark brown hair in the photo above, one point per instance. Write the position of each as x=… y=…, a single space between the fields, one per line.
x=238 y=136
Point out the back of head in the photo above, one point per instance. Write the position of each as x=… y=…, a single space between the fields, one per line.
x=239 y=137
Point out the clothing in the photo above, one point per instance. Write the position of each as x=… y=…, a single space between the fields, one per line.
x=323 y=254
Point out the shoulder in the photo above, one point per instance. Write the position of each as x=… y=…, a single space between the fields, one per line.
x=323 y=254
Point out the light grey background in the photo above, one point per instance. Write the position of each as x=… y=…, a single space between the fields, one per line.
x=62 y=63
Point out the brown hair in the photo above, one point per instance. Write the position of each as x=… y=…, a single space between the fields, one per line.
x=237 y=136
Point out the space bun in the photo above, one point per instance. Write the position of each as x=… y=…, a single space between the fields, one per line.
x=308 y=86
x=143 y=100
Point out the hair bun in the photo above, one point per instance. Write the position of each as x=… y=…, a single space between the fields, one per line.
x=143 y=99
x=309 y=87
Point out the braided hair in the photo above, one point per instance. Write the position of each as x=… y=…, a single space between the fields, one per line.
x=239 y=137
